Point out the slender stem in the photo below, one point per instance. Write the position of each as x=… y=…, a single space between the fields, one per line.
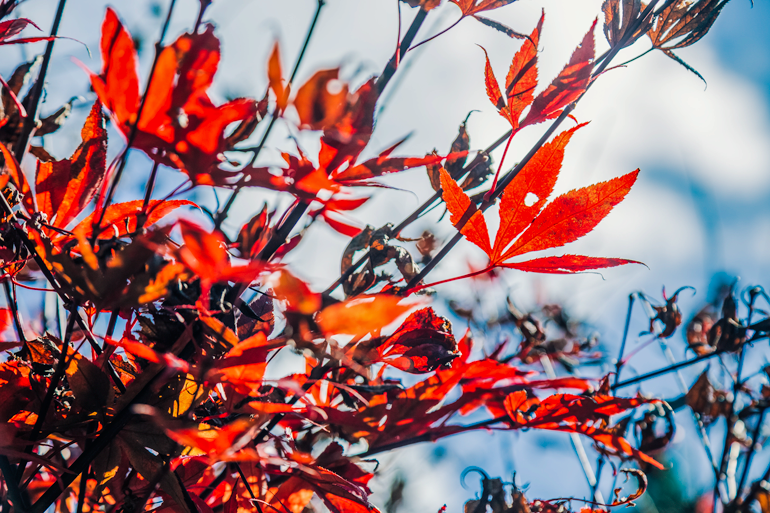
x=112 y=322
x=248 y=486
x=406 y=43
x=577 y=444
x=500 y=166
x=142 y=217
x=755 y=489
x=469 y=275
x=11 y=300
x=398 y=35
x=730 y=419
x=84 y=477
x=135 y=127
x=222 y=215
x=666 y=370
x=619 y=363
x=282 y=233
x=201 y=11
x=754 y=437
x=48 y=399
x=599 y=467
x=20 y=502
x=37 y=90
x=431 y=38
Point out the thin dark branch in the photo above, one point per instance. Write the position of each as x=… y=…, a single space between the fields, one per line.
x=216 y=482
x=246 y=483
x=19 y=499
x=406 y=43
x=11 y=300
x=619 y=363
x=752 y=450
x=142 y=217
x=84 y=478
x=111 y=323
x=201 y=11
x=751 y=497
x=37 y=89
x=666 y=370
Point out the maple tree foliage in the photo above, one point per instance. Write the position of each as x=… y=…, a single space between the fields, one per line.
x=150 y=380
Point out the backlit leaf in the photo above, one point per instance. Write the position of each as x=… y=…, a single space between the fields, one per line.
x=566 y=264
x=460 y=207
x=63 y=188
x=525 y=197
x=572 y=215
x=568 y=86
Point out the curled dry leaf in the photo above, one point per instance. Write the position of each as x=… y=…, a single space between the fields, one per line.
x=698 y=329
x=619 y=15
x=683 y=23
x=641 y=481
x=320 y=102
x=708 y=402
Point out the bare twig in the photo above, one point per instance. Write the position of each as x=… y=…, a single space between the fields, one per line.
x=222 y=215
x=48 y=399
x=11 y=300
x=37 y=90
x=19 y=499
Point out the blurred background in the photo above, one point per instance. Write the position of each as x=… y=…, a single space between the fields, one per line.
x=699 y=214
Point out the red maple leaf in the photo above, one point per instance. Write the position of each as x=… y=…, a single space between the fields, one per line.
x=527 y=224
x=180 y=126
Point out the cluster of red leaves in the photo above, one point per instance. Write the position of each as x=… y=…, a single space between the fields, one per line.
x=179 y=125
x=180 y=409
